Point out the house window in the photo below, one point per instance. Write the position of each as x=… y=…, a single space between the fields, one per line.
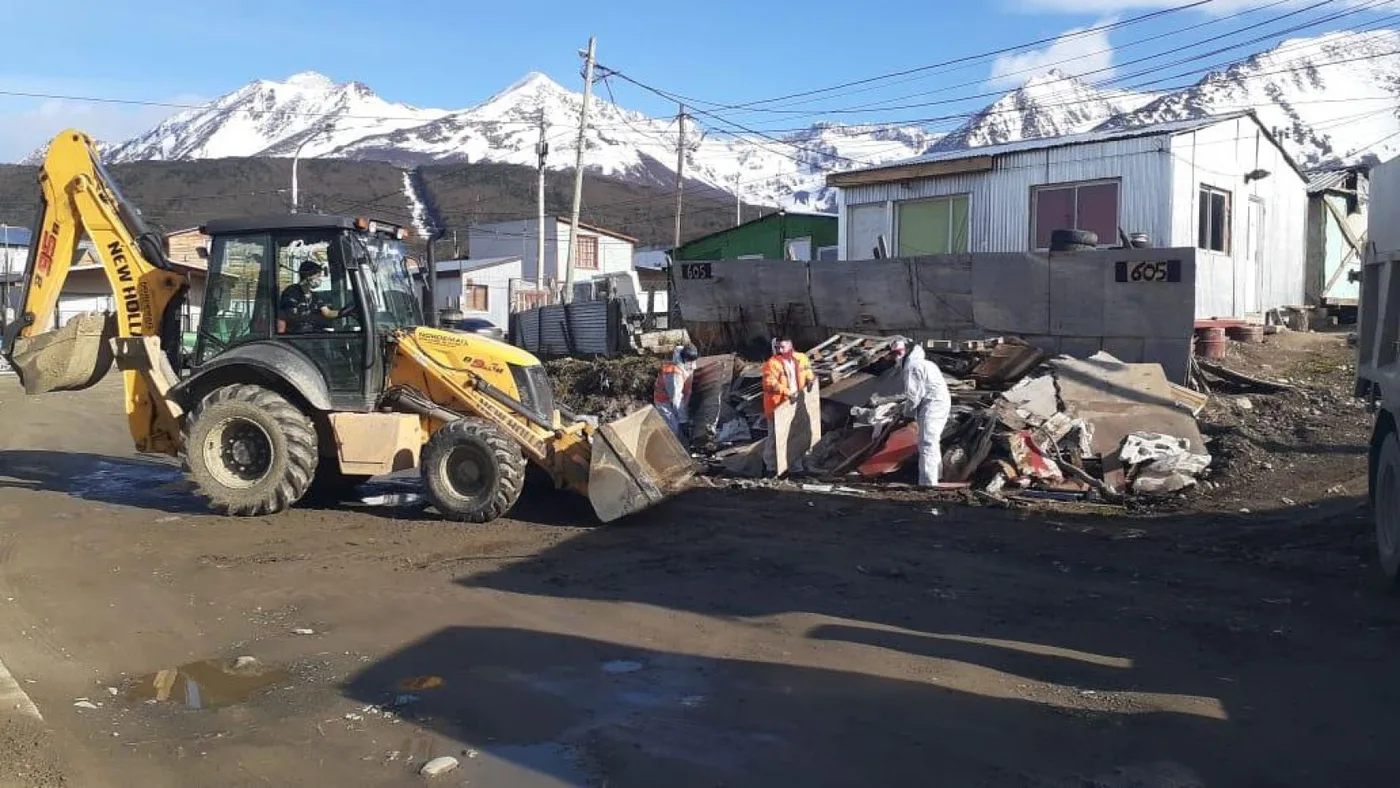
x=864 y=226
x=1076 y=206
x=586 y=252
x=828 y=253
x=799 y=249
x=476 y=297
x=1213 y=232
x=931 y=226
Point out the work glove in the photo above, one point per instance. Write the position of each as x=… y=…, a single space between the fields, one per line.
x=878 y=400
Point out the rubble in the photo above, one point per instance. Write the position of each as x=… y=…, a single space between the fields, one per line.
x=1023 y=426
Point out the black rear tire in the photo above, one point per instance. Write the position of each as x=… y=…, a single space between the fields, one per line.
x=1385 y=508
x=249 y=451
x=472 y=472
x=1073 y=240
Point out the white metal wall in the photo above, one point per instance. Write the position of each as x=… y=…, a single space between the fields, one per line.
x=1000 y=200
x=496 y=278
x=1219 y=156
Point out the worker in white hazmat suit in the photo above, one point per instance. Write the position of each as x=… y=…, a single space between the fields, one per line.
x=926 y=398
x=671 y=395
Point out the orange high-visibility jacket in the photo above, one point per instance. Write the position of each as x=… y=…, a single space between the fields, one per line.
x=775 y=382
x=659 y=394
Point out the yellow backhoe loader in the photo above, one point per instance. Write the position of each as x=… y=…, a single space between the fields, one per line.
x=312 y=370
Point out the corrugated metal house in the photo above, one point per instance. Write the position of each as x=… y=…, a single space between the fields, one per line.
x=1220 y=184
x=1336 y=236
x=782 y=235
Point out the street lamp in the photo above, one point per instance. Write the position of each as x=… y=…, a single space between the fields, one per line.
x=296 y=159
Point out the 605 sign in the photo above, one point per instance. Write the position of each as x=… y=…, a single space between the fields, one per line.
x=696 y=271
x=1147 y=271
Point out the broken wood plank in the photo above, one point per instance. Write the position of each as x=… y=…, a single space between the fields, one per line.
x=1241 y=379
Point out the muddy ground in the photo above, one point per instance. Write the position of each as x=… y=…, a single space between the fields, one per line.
x=729 y=637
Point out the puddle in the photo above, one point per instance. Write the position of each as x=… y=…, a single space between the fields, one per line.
x=135 y=483
x=557 y=761
x=622 y=666
x=208 y=684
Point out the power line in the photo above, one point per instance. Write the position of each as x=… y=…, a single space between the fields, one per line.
x=963 y=59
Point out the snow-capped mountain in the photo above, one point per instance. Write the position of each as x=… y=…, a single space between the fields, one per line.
x=1332 y=98
x=1048 y=105
x=268 y=118
x=348 y=120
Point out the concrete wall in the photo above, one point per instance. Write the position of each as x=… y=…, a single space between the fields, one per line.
x=1219 y=156
x=1064 y=303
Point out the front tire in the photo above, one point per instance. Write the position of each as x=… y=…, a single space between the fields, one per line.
x=471 y=471
x=249 y=451
x=1386 y=507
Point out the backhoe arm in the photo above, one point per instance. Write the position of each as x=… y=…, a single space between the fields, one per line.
x=79 y=200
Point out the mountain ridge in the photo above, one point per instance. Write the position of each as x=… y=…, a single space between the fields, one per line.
x=1299 y=88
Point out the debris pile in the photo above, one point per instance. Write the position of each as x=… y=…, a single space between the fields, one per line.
x=1023 y=425
x=608 y=388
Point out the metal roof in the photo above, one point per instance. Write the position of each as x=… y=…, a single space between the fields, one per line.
x=14 y=236
x=283 y=221
x=1084 y=138
x=1325 y=180
x=473 y=264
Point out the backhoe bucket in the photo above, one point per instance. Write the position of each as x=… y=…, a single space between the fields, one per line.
x=74 y=357
x=637 y=461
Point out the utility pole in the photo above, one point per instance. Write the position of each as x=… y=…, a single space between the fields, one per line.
x=738 y=206
x=541 y=151
x=680 y=173
x=578 y=167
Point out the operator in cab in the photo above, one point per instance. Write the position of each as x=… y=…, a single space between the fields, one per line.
x=300 y=310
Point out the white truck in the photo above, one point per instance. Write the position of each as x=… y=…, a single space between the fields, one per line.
x=1378 y=359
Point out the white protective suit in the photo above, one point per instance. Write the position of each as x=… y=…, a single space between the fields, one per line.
x=927 y=399
x=676 y=411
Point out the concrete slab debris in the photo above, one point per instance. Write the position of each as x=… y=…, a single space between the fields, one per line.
x=1119 y=399
x=1033 y=399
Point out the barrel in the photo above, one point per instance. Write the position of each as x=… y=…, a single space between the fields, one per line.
x=1211 y=342
x=1250 y=332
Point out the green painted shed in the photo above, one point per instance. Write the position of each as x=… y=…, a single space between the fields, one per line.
x=810 y=236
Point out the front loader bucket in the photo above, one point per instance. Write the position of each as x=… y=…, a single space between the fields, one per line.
x=637 y=461
x=74 y=357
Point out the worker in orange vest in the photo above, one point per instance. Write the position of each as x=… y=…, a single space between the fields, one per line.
x=672 y=392
x=785 y=375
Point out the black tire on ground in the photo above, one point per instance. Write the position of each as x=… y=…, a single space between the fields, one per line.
x=471 y=471
x=1073 y=240
x=249 y=451
x=1386 y=507
x=331 y=486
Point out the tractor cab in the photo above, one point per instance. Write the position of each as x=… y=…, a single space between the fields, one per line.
x=329 y=288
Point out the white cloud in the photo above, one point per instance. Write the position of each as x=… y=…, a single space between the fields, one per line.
x=1075 y=52
x=28 y=123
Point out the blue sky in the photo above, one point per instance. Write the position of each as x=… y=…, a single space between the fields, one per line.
x=452 y=55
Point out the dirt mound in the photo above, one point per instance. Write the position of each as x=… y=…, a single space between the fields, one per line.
x=607 y=388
